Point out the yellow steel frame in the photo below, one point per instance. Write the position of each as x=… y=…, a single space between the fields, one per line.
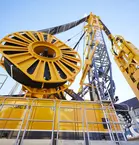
x=126 y=55
x=31 y=44
x=30 y=48
x=68 y=115
x=44 y=93
x=92 y=26
x=127 y=59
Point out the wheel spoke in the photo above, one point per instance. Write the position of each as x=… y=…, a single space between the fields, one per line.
x=14 y=41
x=21 y=36
x=53 y=72
x=69 y=63
x=40 y=35
x=72 y=58
x=30 y=35
x=39 y=71
x=67 y=72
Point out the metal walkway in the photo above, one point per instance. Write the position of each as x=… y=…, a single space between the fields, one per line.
x=80 y=117
x=63 y=142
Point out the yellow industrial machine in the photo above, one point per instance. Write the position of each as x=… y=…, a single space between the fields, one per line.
x=27 y=54
x=46 y=67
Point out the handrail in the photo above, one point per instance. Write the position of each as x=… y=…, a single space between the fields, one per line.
x=73 y=121
x=29 y=115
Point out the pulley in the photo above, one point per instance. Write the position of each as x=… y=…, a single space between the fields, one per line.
x=39 y=60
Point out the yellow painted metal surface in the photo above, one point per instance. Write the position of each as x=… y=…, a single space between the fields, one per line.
x=46 y=115
x=126 y=55
x=34 y=52
x=127 y=59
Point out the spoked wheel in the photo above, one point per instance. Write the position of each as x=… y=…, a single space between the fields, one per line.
x=39 y=60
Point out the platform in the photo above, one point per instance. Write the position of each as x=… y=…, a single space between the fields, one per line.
x=64 y=142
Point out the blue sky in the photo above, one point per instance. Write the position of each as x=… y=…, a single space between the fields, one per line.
x=120 y=16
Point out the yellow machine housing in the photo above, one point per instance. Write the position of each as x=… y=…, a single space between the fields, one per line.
x=43 y=115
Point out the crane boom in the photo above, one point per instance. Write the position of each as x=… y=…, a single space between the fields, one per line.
x=126 y=55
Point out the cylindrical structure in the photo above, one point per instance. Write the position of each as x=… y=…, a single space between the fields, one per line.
x=39 y=60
